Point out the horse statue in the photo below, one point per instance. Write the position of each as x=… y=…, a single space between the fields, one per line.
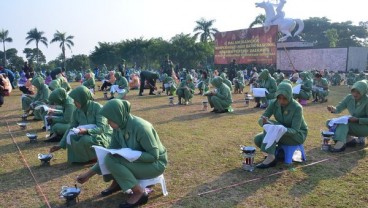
x=285 y=25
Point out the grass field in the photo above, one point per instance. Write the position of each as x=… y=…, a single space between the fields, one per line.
x=204 y=161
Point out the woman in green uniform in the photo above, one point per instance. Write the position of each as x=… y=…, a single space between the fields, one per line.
x=60 y=124
x=239 y=82
x=288 y=113
x=226 y=81
x=306 y=87
x=320 y=89
x=137 y=134
x=357 y=105
x=185 y=90
x=120 y=86
x=41 y=98
x=220 y=99
x=269 y=83
x=87 y=128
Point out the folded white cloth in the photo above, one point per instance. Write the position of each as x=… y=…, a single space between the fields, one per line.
x=339 y=120
x=48 y=109
x=273 y=134
x=259 y=92
x=296 y=89
x=127 y=153
x=299 y=81
x=75 y=131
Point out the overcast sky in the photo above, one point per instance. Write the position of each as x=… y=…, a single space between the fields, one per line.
x=93 y=21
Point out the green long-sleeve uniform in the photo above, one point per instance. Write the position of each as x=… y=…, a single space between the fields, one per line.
x=41 y=98
x=169 y=84
x=222 y=99
x=122 y=82
x=268 y=82
x=336 y=79
x=306 y=88
x=61 y=124
x=350 y=78
x=320 y=94
x=80 y=148
x=290 y=116
x=137 y=134
x=186 y=89
x=226 y=81
x=357 y=109
x=239 y=82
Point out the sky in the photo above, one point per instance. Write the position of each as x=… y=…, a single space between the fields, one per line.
x=93 y=21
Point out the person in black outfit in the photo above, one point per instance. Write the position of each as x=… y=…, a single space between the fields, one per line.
x=151 y=78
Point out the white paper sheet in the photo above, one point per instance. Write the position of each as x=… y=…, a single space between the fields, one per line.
x=48 y=109
x=315 y=88
x=339 y=120
x=259 y=92
x=127 y=153
x=75 y=131
x=273 y=134
x=296 y=89
x=115 y=88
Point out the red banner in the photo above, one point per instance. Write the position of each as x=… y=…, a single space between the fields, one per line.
x=247 y=46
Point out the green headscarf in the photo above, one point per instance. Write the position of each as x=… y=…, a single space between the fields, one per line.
x=82 y=95
x=216 y=82
x=189 y=77
x=223 y=75
x=361 y=87
x=117 y=111
x=285 y=89
x=239 y=74
x=117 y=75
x=58 y=96
x=303 y=75
x=264 y=74
x=54 y=84
x=38 y=82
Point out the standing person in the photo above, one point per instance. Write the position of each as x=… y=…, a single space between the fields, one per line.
x=136 y=134
x=88 y=127
x=233 y=68
x=122 y=67
x=26 y=69
x=151 y=79
x=288 y=114
x=357 y=105
x=167 y=67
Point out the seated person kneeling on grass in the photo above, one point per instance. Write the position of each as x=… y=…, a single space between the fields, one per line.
x=60 y=124
x=357 y=105
x=136 y=134
x=289 y=121
x=120 y=86
x=220 y=99
x=88 y=127
x=42 y=97
x=185 y=90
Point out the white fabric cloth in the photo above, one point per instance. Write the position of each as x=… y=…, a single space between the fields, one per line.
x=339 y=120
x=75 y=131
x=315 y=88
x=127 y=153
x=299 y=81
x=296 y=89
x=115 y=88
x=259 y=92
x=273 y=134
x=48 y=109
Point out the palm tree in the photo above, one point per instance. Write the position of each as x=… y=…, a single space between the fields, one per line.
x=205 y=30
x=64 y=40
x=4 y=38
x=259 y=20
x=35 y=35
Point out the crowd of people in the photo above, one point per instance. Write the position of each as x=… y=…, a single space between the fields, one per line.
x=77 y=122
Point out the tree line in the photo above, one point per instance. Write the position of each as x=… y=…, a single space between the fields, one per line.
x=185 y=50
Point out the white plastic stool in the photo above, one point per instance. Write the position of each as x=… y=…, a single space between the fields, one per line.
x=159 y=179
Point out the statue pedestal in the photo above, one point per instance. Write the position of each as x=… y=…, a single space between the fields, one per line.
x=296 y=44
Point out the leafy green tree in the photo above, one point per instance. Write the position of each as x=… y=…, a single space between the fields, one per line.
x=106 y=53
x=4 y=38
x=65 y=40
x=78 y=61
x=259 y=20
x=12 y=58
x=332 y=36
x=205 y=30
x=37 y=36
x=135 y=51
x=34 y=54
